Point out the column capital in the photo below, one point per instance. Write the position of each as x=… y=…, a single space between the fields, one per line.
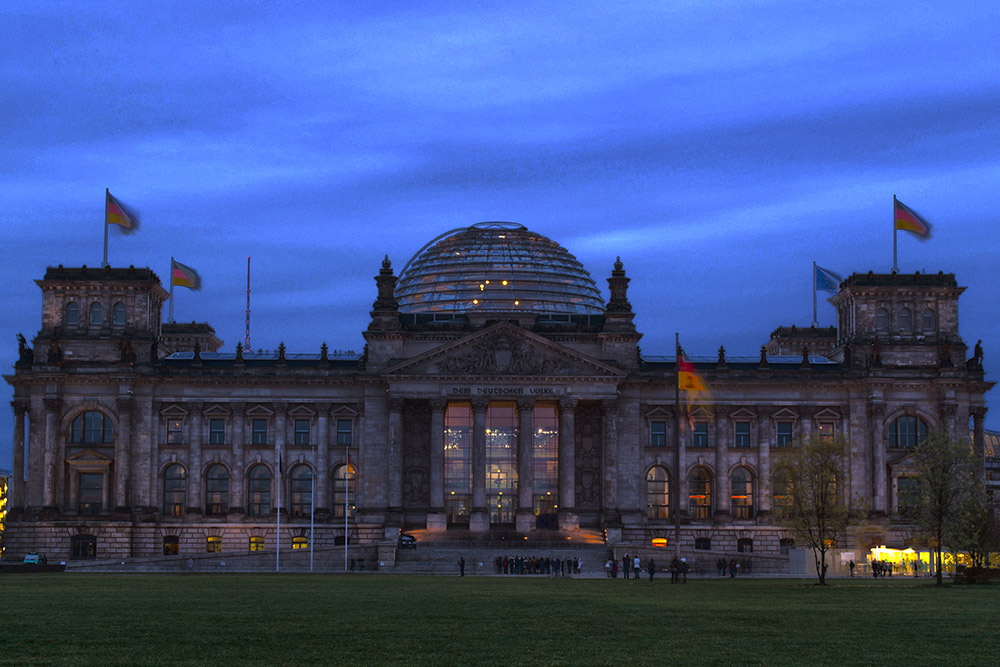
x=609 y=406
x=124 y=403
x=438 y=404
x=876 y=410
x=280 y=408
x=323 y=409
x=396 y=403
x=20 y=405
x=568 y=405
x=52 y=403
x=480 y=403
x=525 y=405
x=978 y=411
x=238 y=408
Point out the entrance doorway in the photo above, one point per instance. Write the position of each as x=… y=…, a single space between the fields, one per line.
x=545 y=512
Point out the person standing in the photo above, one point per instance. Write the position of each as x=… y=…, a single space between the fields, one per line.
x=851 y=565
x=626 y=564
x=684 y=570
x=461 y=566
x=675 y=566
x=652 y=569
x=636 y=567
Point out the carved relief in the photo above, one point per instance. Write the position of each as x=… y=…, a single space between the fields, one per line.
x=416 y=454
x=502 y=354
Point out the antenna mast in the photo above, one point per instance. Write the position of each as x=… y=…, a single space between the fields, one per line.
x=246 y=341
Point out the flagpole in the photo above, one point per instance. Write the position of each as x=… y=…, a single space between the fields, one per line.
x=170 y=317
x=277 y=551
x=347 y=493
x=107 y=197
x=312 y=510
x=675 y=488
x=895 y=267
x=814 y=294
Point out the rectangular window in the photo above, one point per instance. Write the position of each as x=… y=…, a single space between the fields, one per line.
x=826 y=430
x=213 y=544
x=301 y=432
x=216 y=431
x=171 y=545
x=703 y=543
x=91 y=492
x=699 y=437
x=258 y=432
x=658 y=434
x=784 y=434
x=345 y=431
x=742 y=434
x=175 y=431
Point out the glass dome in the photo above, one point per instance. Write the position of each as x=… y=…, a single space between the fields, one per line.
x=496 y=267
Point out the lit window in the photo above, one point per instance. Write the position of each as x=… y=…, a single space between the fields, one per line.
x=345 y=431
x=782 y=503
x=344 y=490
x=171 y=545
x=258 y=432
x=742 y=494
x=827 y=429
x=300 y=542
x=784 y=434
x=96 y=314
x=742 y=434
x=175 y=431
x=118 y=314
x=256 y=543
x=700 y=493
x=72 y=315
x=217 y=491
x=213 y=544
x=301 y=432
x=83 y=546
x=657 y=493
x=216 y=431
x=907 y=432
x=658 y=434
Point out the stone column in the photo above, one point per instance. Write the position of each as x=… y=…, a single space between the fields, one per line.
x=194 y=480
x=680 y=477
x=525 y=518
x=16 y=489
x=567 y=464
x=479 y=520
x=52 y=448
x=239 y=464
x=123 y=448
x=766 y=434
x=721 y=492
x=322 y=473
x=876 y=415
x=395 y=490
x=437 y=520
x=609 y=411
x=280 y=456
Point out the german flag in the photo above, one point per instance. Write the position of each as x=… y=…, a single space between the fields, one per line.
x=116 y=213
x=910 y=221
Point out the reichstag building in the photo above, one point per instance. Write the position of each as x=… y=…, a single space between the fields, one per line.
x=498 y=392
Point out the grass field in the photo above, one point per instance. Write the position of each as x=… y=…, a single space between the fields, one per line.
x=62 y=619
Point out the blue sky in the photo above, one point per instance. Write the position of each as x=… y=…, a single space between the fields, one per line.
x=718 y=148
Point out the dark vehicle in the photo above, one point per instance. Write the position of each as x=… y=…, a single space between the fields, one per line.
x=407 y=541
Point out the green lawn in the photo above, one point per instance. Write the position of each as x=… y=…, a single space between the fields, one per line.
x=348 y=619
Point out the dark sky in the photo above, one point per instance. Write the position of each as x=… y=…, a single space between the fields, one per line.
x=718 y=148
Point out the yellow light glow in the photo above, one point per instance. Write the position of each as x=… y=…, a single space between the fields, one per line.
x=475 y=302
x=659 y=541
x=487 y=282
x=503 y=282
x=517 y=303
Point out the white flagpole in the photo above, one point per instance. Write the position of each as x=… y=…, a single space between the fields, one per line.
x=347 y=493
x=107 y=197
x=814 y=293
x=171 y=278
x=312 y=509
x=277 y=551
x=895 y=265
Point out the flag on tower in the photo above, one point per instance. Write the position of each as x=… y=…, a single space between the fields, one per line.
x=116 y=213
x=827 y=280
x=184 y=276
x=910 y=221
x=688 y=379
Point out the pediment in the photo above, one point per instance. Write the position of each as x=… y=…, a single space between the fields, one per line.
x=88 y=458
x=827 y=413
x=785 y=414
x=743 y=414
x=504 y=350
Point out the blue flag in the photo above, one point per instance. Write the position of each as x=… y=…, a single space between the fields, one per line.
x=827 y=280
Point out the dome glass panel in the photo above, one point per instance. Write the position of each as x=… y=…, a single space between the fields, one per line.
x=497 y=267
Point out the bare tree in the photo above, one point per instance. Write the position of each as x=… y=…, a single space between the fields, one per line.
x=947 y=470
x=818 y=514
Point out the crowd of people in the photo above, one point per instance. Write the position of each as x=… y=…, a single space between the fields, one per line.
x=734 y=566
x=550 y=565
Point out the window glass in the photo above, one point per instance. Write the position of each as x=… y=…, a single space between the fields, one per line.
x=827 y=429
x=72 y=315
x=699 y=436
x=658 y=434
x=301 y=432
x=213 y=544
x=907 y=495
x=171 y=545
x=742 y=434
x=657 y=493
x=703 y=543
x=345 y=432
x=927 y=320
x=905 y=320
x=457 y=462
x=259 y=491
x=785 y=545
x=118 y=314
x=501 y=461
x=545 y=459
x=217 y=491
x=258 y=432
x=781 y=490
x=92 y=428
x=174 y=490
x=216 y=431
x=90 y=492
x=344 y=490
x=742 y=494
x=907 y=432
x=744 y=545
x=300 y=542
x=256 y=543
x=96 y=314
x=700 y=494
x=83 y=546
x=784 y=434
x=175 y=431
x=881 y=319
x=301 y=491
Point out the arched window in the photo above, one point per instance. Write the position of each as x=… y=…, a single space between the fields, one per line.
x=657 y=493
x=782 y=491
x=174 y=490
x=83 y=546
x=700 y=493
x=345 y=480
x=905 y=320
x=118 y=314
x=742 y=493
x=907 y=432
x=301 y=491
x=217 y=491
x=259 y=491
x=927 y=319
x=72 y=314
x=881 y=319
x=92 y=428
x=96 y=315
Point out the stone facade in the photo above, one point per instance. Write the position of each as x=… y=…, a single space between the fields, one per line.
x=468 y=423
